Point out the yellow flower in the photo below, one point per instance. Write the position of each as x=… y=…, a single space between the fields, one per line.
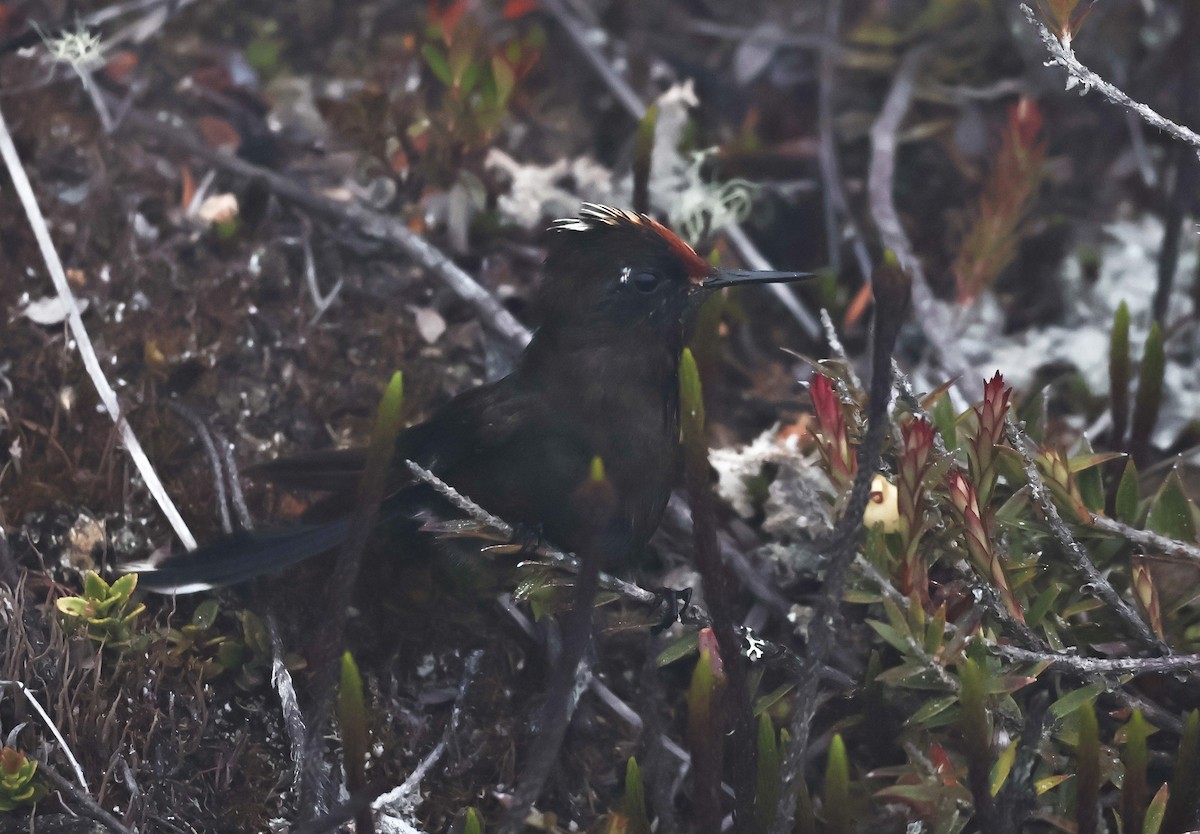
x=883 y=507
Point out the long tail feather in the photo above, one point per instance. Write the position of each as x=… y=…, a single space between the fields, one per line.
x=240 y=557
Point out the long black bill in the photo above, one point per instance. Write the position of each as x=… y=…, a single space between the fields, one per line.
x=735 y=277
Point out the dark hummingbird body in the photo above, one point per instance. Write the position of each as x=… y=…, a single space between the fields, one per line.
x=599 y=378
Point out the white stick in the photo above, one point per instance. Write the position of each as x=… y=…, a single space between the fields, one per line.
x=107 y=395
x=62 y=742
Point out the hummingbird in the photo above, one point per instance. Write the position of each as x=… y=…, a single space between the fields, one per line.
x=599 y=379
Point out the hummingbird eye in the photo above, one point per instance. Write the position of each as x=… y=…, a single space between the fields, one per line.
x=643 y=280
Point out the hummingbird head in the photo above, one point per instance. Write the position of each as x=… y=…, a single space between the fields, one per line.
x=614 y=268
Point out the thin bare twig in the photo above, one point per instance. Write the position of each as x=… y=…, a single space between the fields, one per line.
x=214 y=460
x=837 y=208
x=1148 y=538
x=1061 y=54
x=320 y=301
x=233 y=479
x=499 y=525
x=289 y=704
x=1074 y=551
x=397 y=799
x=89 y=806
x=62 y=742
x=86 y=351
x=1101 y=665
x=838 y=350
x=933 y=316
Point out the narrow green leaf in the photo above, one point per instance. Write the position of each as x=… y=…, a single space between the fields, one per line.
x=352 y=718
x=691 y=399
x=633 y=806
x=1118 y=373
x=946 y=422
x=763 y=703
x=1134 y=787
x=1156 y=811
x=973 y=718
x=1042 y=605
x=1086 y=468
x=766 y=796
x=437 y=62
x=1087 y=769
x=1033 y=411
x=929 y=709
x=1171 y=511
x=1128 y=494
x=1149 y=393
x=1075 y=699
x=473 y=823
x=1185 y=786
x=892 y=636
x=1003 y=766
x=683 y=647
x=838 y=819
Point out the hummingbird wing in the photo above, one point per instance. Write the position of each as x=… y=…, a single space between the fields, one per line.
x=499 y=444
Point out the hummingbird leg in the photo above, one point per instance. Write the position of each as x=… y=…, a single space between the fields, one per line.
x=677 y=602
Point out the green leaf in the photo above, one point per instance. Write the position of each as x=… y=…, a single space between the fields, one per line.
x=1128 y=494
x=352 y=719
x=1075 y=699
x=838 y=818
x=691 y=399
x=94 y=587
x=1118 y=373
x=1037 y=612
x=892 y=636
x=1149 y=393
x=1085 y=466
x=1185 y=786
x=1003 y=766
x=946 y=421
x=766 y=795
x=205 y=614
x=685 y=646
x=1171 y=511
x=473 y=824
x=1033 y=411
x=123 y=588
x=973 y=717
x=633 y=805
x=1087 y=770
x=74 y=607
x=929 y=709
x=1135 y=758
x=763 y=703
x=437 y=62
x=504 y=79
x=1156 y=811
x=470 y=78
x=1050 y=782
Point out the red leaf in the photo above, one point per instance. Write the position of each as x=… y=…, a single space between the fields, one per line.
x=519 y=8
